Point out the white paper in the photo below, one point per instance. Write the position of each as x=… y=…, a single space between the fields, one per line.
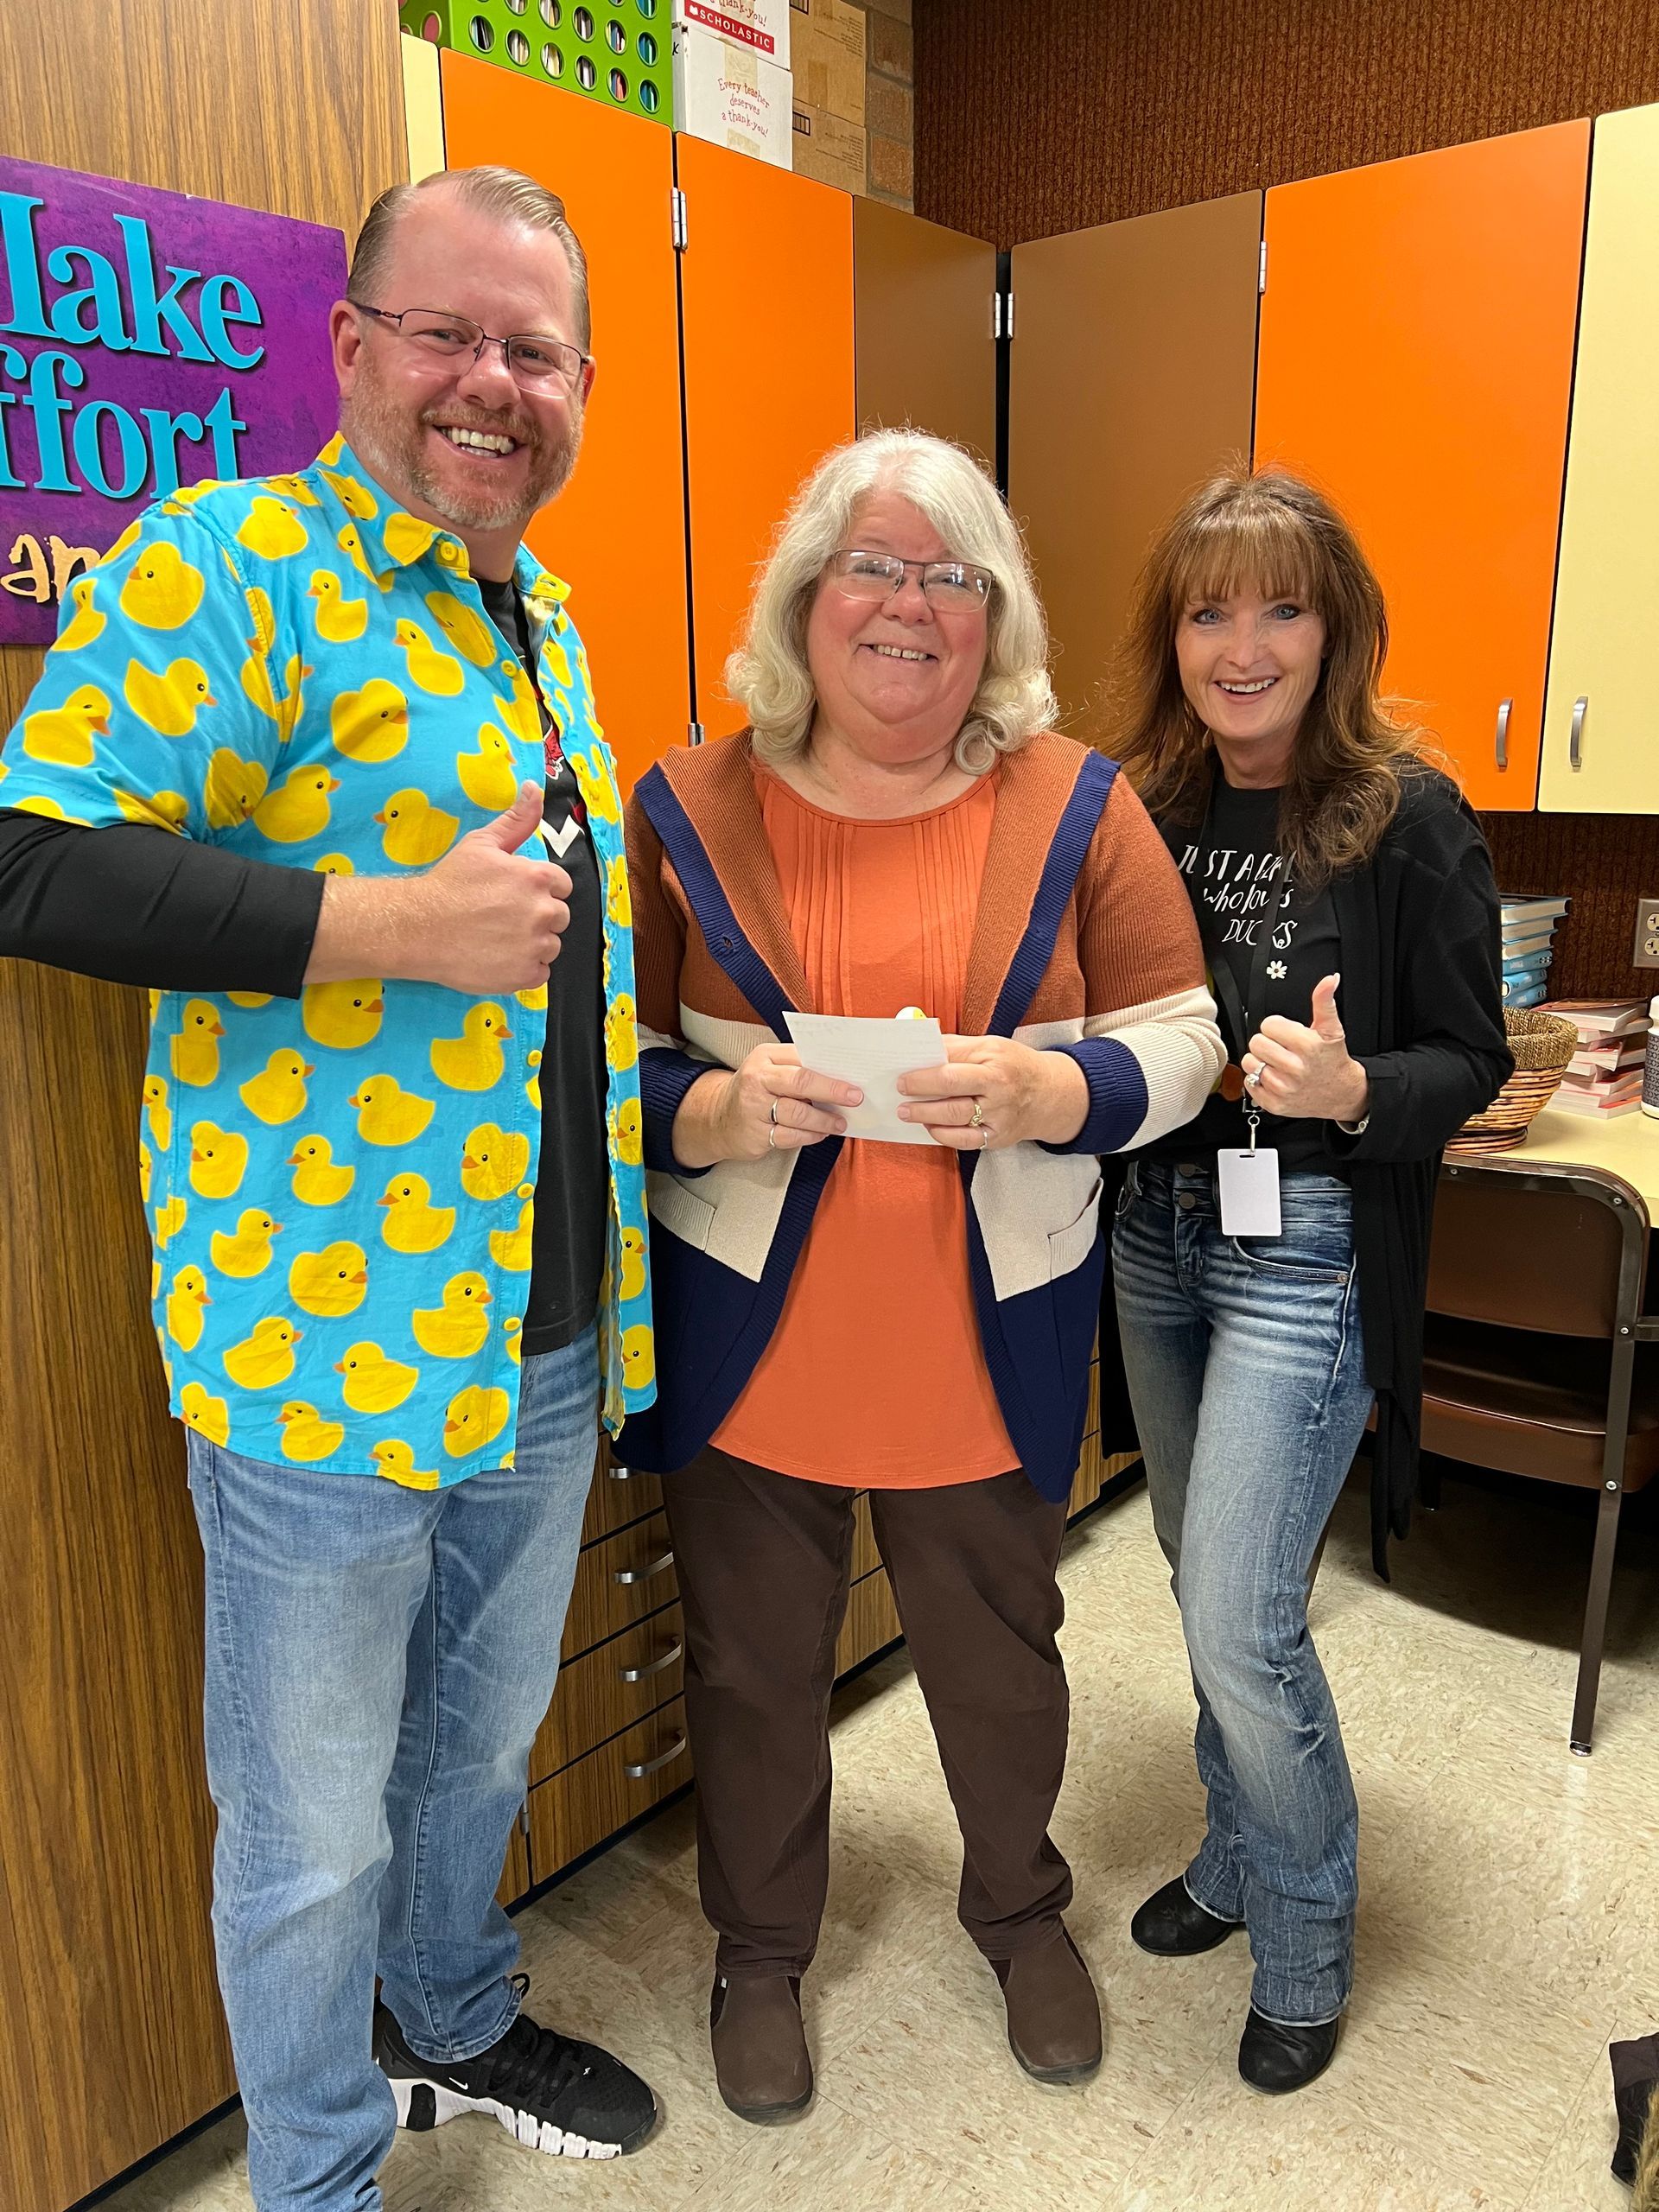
x=874 y=1054
x=1249 y=1192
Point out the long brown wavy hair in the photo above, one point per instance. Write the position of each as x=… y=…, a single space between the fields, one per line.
x=1266 y=531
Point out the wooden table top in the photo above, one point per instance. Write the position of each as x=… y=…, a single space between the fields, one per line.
x=1627 y=1146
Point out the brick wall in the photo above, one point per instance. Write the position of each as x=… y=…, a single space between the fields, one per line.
x=890 y=102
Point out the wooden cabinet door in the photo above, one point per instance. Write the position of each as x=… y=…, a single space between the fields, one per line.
x=1416 y=362
x=1130 y=378
x=1607 y=588
x=766 y=288
x=924 y=301
x=616 y=533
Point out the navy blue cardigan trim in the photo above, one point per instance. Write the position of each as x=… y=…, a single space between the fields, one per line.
x=732 y=952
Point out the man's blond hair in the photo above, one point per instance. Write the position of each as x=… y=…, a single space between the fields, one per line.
x=509 y=194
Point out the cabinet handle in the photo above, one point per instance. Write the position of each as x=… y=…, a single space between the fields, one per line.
x=619 y=1474
x=652 y=1667
x=645 y=1573
x=1502 y=740
x=655 y=1766
x=1575 y=735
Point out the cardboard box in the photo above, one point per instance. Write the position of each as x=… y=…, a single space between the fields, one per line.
x=827 y=53
x=761 y=24
x=600 y=48
x=728 y=94
x=829 y=148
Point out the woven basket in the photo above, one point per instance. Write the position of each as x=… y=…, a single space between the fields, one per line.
x=1542 y=1044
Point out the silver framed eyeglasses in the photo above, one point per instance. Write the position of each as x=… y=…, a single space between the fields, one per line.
x=533 y=362
x=956 y=585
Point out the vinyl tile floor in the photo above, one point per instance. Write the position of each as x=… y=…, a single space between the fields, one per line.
x=1509 y=1927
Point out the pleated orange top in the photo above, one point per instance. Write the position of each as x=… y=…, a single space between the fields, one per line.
x=874 y=1376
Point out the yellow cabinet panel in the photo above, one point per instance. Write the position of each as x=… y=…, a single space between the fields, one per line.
x=1607 y=585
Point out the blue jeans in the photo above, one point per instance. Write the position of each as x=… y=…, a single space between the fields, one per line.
x=1247 y=1370
x=378 y=1662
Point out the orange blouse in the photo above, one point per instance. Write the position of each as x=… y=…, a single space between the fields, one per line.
x=874 y=1377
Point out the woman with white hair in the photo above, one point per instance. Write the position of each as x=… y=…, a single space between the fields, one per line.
x=898 y=827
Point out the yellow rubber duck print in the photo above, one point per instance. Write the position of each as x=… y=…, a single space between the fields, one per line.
x=63 y=735
x=343 y=1016
x=413 y=1223
x=146 y=1169
x=407 y=537
x=374 y=1385
x=533 y=1001
x=297 y=808
x=533 y=1088
x=471 y=635
x=218 y=1160
x=168 y=703
x=510 y=1247
x=232 y=789
x=519 y=713
x=340 y=621
x=475 y=1417
x=415 y=833
x=627 y=1129
x=456 y=1329
x=208 y=1416
x=634 y=1265
x=387 y=1115
x=317 y=1180
x=165 y=810
x=291 y=487
x=428 y=669
x=617 y=903
x=195 y=1050
x=283 y=708
x=496 y=1162
x=86 y=623
x=330 y=1283
x=639 y=1358
x=396 y=1461
x=249 y=999
x=599 y=792
x=156 y=1112
x=185 y=1317
x=474 y=1060
x=556 y=660
x=248 y=1253
x=357 y=499
x=273 y=530
x=265 y=1360
x=351 y=544
x=278 y=1094
x=622 y=1032
x=371 y=725
x=163 y=591
x=489 y=776
x=169 y=1220
x=513 y=1329
x=333 y=864
x=49 y=809
x=306 y=1435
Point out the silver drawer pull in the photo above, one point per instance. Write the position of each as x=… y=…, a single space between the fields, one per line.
x=652 y=1667
x=1501 y=743
x=655 y=1766
x=1575 y=735
x=645 y=1573
x=619 y=1474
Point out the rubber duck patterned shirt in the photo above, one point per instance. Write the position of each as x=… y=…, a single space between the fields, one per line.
x=298 y=671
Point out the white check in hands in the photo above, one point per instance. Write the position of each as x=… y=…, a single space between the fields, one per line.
x=1304 y=1070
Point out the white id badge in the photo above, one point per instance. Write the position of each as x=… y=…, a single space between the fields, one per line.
x=1249 y=1182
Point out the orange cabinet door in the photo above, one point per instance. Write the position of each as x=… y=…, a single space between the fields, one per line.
x=766 y=289
x=1416 y=362
x=616 y=533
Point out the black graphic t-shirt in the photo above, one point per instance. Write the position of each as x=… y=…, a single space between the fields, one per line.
x=1236 y=877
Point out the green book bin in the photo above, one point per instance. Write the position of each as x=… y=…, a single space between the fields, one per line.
x=617 y=52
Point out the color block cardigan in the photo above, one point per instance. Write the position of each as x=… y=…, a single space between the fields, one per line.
x=1084 y=943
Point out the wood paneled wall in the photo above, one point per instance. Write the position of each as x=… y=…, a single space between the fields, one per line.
x=112 y=2036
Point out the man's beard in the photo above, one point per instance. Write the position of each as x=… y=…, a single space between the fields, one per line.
x=394 y=444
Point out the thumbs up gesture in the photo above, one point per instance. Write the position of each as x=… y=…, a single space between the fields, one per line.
x=1303 y=1070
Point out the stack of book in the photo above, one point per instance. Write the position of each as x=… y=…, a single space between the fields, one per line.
x=1529 y=926
x=1604 y=1076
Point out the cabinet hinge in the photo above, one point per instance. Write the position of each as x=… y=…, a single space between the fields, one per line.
x=1261 y=270
x=695 y=734
x=677 y=218
x=1003 y=318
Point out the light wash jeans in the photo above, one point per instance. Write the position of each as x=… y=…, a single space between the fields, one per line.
x=378 y=1662
x=1247 y=1372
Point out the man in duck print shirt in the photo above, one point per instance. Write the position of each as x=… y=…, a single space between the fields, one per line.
x=296 y=763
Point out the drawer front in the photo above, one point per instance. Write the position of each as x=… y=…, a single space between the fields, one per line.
x=871 y=1620
x=618 y=1496
x=619 y=1581
x=515 y=1875
x=866 y=1555
x=1091 y=1418
x=610 y=1688
x=583 y=1804
x=1085 y=1484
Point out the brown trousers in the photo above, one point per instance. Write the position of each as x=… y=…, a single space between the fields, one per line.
x=763 y=1561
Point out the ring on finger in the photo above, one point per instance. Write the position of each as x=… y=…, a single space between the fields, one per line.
x=984 y=1136
x=772 y=1139
x=772 y=1116
x=976 y=1119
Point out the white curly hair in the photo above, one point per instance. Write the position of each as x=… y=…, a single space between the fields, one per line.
x=768 y=674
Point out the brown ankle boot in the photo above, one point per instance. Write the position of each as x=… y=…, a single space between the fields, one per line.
x=759 y=2045
x=1053 y=2013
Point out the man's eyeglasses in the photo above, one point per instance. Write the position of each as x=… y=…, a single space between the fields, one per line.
x=534 y=362
x=955 y=585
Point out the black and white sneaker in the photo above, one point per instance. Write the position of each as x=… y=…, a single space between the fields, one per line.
x=570 y=2100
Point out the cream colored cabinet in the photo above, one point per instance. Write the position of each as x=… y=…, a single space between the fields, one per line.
x=1601 y=724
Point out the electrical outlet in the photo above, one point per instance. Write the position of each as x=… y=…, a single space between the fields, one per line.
x=1647 y=934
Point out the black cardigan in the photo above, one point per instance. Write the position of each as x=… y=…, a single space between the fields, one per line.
x=1423 y=1009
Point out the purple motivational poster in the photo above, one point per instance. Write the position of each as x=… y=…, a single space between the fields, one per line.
x=148 y=340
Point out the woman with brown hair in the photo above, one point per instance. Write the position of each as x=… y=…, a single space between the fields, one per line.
x=1270 y=1257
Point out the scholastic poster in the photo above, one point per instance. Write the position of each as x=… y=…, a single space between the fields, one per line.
x=148 y=340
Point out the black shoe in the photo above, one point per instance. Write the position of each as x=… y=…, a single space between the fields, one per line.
x=1174 y=1926
x=1275 y=2058
x=570 y=2099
